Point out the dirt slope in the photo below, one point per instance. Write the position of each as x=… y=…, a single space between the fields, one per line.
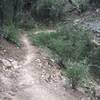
x=24 y=82
x=34 y=90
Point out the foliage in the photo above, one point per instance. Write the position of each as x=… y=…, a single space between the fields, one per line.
x=27 y=22
x=94 y=60
x=43 y=38
x=76 y=72
x=11 y=34
x=11 y=11
x=49 y=9
x=96 y=2
x=69 y=42
x=81 y=4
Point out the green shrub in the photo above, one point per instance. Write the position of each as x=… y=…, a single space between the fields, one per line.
x=96 y=2
x=81 y=4
x=49 y=9
x=69 y=42
x=12 y=34
x=25 y=21
x=43 y=38
x=94 y=60
x=76 y=72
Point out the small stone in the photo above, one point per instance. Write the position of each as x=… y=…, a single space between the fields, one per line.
x=76 y=21
x=6 y=62
x=42 y=76
x=52 y=60
x=43 y=72
x=97 y=91
x=97 y=10
x=11 y=59
x=4 y=50
x=40 y=64
x=14 y=64
x=17 y=47
x=38 y=60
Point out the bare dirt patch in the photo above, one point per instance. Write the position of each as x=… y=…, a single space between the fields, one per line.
x=8 y=50
x=36 y=77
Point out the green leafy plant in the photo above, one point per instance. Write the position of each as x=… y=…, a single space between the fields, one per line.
x=94 y=61
x=69 y=42
x=12 y=34
x=81 y=4
x=76 y=72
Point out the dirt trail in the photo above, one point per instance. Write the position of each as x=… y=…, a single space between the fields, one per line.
x=25 y=80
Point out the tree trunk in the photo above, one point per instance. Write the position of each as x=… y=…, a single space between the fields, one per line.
x=1 y=14
x=15 y=5
x=74 y=84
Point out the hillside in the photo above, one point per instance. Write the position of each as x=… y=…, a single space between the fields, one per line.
x=49 y=50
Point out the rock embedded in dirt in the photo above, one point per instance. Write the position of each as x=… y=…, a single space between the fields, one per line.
x=77 y=21
x=97 y=92
x=6 y=63
x=5 y=50
x=14 y=64
x=9 y=63
x=97 y=10
x=10 y=59
x=38 y=60
x=82 y=90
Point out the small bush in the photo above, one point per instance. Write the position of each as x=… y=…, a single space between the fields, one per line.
x=76 y=72
x=43 y=38
x=94 y=60
x=26 y=21
x=81 y=4
x=11 y=34
x=96 y=2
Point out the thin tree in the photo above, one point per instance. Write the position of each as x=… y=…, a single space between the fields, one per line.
x=1 y=13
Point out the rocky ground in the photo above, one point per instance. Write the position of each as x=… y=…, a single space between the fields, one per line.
x=27 y=73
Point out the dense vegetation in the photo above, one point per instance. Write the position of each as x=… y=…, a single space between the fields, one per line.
x=24 y=11
x=69 y=42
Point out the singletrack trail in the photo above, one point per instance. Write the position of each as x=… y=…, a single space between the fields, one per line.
x=25 y=83
x=34 y=90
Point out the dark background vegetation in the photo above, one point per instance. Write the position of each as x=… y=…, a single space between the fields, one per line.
x=21 y=11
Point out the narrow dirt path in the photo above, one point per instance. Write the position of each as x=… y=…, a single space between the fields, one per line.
x=28 y=84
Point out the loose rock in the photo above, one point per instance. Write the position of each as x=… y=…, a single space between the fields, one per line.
x=97 y=92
